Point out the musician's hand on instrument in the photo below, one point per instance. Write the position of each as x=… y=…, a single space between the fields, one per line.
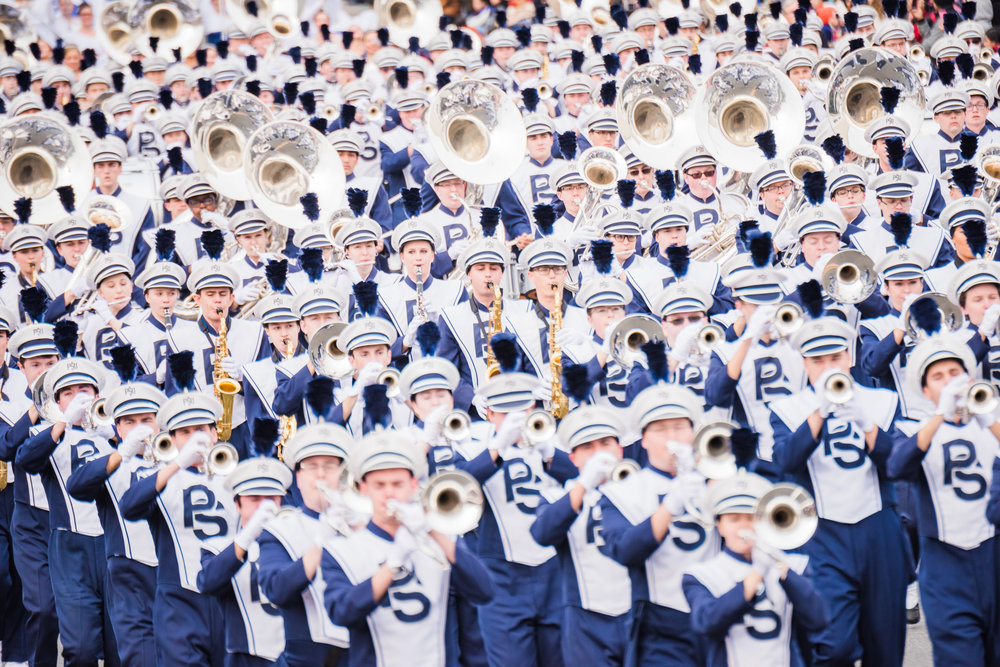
x=401 y=551
x=700 y=236
x=255 y=526
x=103 y=310
x=581 y=237
x=432 y=424
x=246 y=293
x=683 y=344
x=760 y=323
x=457 y=248
x=542 y=392
x=232 y=367
x=420 y=135
x=951 y=394
x=784 y=239
x=410 y=337
x=988 y=325
x=852 y=411
x=763 y=560
x=687 y=490
x=570 y=337
x=523 y=240
x=546 y=449
x=820 y=267
x=367 y=376
x=596 y=470
x=411 y=515
x=193 y=452
x=77 y=409
x=826 y=407
x=161 y=372
x=351 y=269
x=508 y=433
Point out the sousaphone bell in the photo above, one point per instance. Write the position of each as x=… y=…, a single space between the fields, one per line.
x=409 y=18
x=113 y=31
x=656 y=114
x=279 y=17
x=176 y=24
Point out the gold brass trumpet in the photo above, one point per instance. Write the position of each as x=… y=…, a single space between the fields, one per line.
x=629 y=335
x=849 y=277
x=952 y=318
x=785 y=517
x=788 y=319
x=325 y=355
x=390 y=378
x=713 y=450
x=539 y=427
x=453 y=501
x=838 y=388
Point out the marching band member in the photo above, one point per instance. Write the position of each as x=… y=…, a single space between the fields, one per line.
x=108 y=155
x=647 y=527
x=291 y=544
x=128 y=544
x=26 y=244
x=362 y=241
x=184 y=507
x=708 y=206
x=388 y=582
x=201 y=200
x=111 y=275
x=954 y=218
x=976 y=289
x=450 y=215
x=349 y=146
x=77 y=561
x=936 y=153
x=596 y=589
x=277 y=315
x=254 y=631
x=846 y=190
x=949 y=455
x=69 y=236
x=252 y=233
x=774 y=186
x=534 y=181
x=750 y=600
x=398 y=145
x=161 y=286
x=887 y=135
x=838 y=451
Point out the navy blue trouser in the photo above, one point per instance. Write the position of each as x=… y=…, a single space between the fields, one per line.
x=13 y=616
x=79 y=571
x=862 y=570
x=131 y=587
x=663 y=637
x=178 y=612
x=590 y=638
x=30 y=528
x=520 y=625
x=960 y=595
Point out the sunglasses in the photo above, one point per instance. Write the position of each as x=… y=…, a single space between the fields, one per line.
x=640 y=170
x=698 y=175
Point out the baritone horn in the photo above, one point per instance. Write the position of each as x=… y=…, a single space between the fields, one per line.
x=477 y=131
x=176 y=24
x=283 y=161
x=219 y=132
x=453 y=501
x=807 y=158
x=325 y=354
x=952 y=318
x=629 y=335
x=849 y=277
x=785 y=517
x=655 y=108
x=713 y=450
x=40 y=154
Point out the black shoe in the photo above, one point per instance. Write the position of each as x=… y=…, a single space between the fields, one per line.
x=913 y=615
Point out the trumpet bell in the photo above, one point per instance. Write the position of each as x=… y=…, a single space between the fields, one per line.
x=656 y=114
x=453 y=501
x=623 y=469
x=823 y=70
x=708 y=337
x=982 y=72
x=629 y=335
x=849 y=277
x=40 y=154
x=740 y=100
x=982 y=399
x=456 y=426
x=788 y=319
x=785 y=517
x=113 y=31
x=324 y=353
x=838 y=388
x=220 y=129
x=175 y=23
x=601 y=167
x=539 y=427
x=285 y=160
x=163 y=448
x=952 y=318
x=222 y=459
x=477 y=131
x=713 y=450
x=98 y=414
x=390 y=378
x=853 y=98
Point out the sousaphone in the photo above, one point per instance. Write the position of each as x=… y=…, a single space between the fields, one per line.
x=656 y=114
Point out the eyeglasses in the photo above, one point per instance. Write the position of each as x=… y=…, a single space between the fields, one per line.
x=549 y=270
x=977 y=106
x=640 y=170
x=698 y=175
x=682 y=320
x=777 y=187
x=312 y=466
x=850 y=190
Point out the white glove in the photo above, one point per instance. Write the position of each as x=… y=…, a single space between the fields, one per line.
x=508 y=433
x=105 y=431
x=543 y=392
x=432 y=425
x=988 y=326
x=821 y=262
x=411 y=515
x=570 y=337
x=546 y=449
x=351 y=269
x=617 y=270
x=457 y=248
x=479 y=403
x=581 y=237
x=403 y=546
x=762 y=561
x=77 y=409
x=785 y=238
x=596 y=470
x=255 y=526
x=103 y=310
x=161 y=372
x=410 y=338
x=700 y=236
x=908 y=301
x=760 y=322
x=825 y=406
x=368 y=375
x=683 y=344
x=420 y=135
x=687 y=490
x=232 y=367
x=134 y=442
x=684 y=454
x=218 y=220
x=247 y=293
x=193 y=452
x=852 y=411
x=951 y=394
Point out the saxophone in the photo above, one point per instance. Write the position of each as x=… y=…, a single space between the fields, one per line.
x=287 y=422
x=225 y=387
x=558 y=403
x=496 y=325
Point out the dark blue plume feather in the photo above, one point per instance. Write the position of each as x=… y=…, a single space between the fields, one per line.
x=34 y=301
x=568 y=144
x=67 y=197
x=811 y=295
x=814 y=187
x=376 y=405
x=965 y=179
x=765 y=142
x=428 y=337
x=66 y=334
x=968 y=144
x=265 y=434
x=504 y=347
x=626 y=192
x=310 y=206
x=366 y=296
x=489 y=219
x=600 y=251
x=276 y=273
x=357 y=200
x=181 y=366
x=760 y=248
x=124 y=362
x=895 y=152
x=656 y=360
x=889 y=97
x=743 y=443
x=946 y=72
x=835 y=148
x=545 y=218
x=411 y=201
x=666 y=184
x=311 y=262
x=901 y=225
x=530 y=98
x=100 y=237
x=165 y=242
x=609 y=91
x=975 y=236
x=576 y=383
x=319 y=395
x=679 y=259
x=213 y=243
x=926 y=314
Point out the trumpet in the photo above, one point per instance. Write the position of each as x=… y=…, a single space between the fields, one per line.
x=539 y=427
x=97 y=415
x=980 y=399
x=45 y=402
x=788 y=318
x=838 y=388
x=849 y=277
x=390 y=378
x=453 y=501
x=785 y=517
x=162 y=448
x=456 y=425
x=623 y=469
x=708 y=337
x=714 y=451
x=222 y=459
